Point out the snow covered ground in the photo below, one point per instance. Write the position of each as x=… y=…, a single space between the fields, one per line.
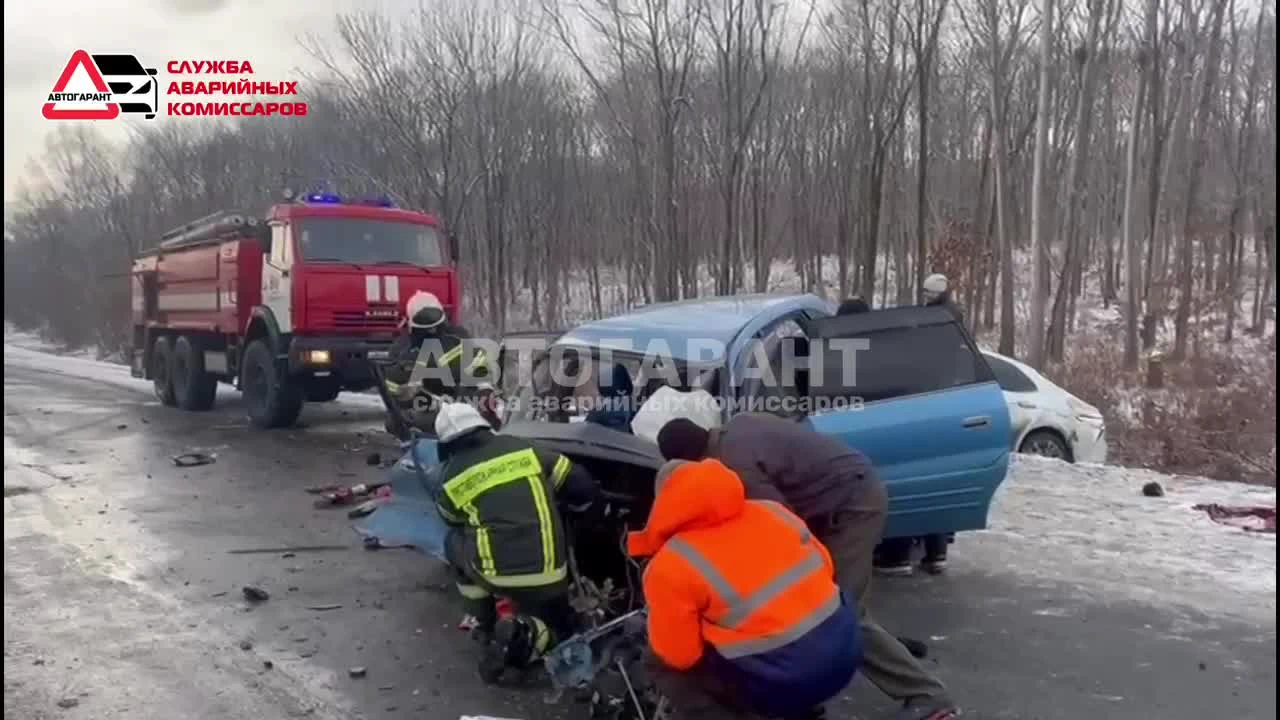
x=1090 y=527
x=1085 y=527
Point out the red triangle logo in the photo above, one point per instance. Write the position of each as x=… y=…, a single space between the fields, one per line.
x=80 y=58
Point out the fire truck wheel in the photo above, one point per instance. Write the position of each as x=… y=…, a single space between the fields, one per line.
x=162 y=370
x=273 y=398
x=193 y=388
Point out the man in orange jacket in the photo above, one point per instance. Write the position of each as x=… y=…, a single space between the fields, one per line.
x=744 y=612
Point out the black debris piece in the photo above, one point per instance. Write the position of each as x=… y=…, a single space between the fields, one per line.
x=192 y=459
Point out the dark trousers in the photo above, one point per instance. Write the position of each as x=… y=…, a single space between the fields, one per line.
x=850 y=535
x=701 y=693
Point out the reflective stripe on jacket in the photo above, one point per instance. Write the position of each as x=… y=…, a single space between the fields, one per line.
x=408 y=359
x=744 y=586
x=502 y=494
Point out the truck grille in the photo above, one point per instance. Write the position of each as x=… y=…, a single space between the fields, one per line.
x=364 y=319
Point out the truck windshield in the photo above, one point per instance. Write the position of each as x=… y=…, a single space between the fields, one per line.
x=368 y=242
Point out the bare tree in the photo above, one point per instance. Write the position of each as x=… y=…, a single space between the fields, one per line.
x=1039 y=223
x=1196 y=163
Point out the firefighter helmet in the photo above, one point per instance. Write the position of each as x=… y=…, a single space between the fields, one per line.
x=457 y=419
x=424 y=310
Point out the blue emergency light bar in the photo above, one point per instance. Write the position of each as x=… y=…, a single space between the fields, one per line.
x=332 y=199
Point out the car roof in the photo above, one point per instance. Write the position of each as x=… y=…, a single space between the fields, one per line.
x=670 y=326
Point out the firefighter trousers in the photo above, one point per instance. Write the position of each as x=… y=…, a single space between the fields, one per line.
x=550 y=603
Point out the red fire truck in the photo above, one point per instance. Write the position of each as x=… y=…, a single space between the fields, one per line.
x=289 y=309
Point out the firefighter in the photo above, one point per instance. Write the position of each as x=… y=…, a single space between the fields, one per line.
x=745 y=616
x=507 y=536
x=431 y=343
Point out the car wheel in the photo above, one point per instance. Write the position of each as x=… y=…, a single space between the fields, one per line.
x=1046 y=443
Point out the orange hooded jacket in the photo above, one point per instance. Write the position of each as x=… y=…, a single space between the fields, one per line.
x=746 y=577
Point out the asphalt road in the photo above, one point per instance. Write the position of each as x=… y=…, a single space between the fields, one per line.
x=121 y=599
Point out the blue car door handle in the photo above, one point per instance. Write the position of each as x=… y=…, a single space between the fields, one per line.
x=977 y=421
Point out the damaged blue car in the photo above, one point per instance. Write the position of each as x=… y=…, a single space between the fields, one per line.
x=924 y=405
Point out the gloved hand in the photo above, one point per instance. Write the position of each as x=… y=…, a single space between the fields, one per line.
x=587 y=515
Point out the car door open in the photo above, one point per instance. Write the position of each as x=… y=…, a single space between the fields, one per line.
x=909 y=385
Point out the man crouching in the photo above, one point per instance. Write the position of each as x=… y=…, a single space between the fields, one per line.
x=745 y=616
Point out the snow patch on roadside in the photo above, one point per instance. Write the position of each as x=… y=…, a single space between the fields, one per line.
x=1089 y=526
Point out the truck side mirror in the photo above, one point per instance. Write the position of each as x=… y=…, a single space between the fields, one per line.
x=263 y=235
x=454 y=250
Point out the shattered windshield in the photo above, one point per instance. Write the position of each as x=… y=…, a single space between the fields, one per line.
x=368 y=242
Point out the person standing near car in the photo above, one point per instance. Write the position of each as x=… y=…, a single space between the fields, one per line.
x=835 y=490
x=937 y=291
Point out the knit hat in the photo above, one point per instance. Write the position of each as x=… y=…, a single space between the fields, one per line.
x=683 y=439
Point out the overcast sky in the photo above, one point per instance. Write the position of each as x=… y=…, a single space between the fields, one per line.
x=40 y=35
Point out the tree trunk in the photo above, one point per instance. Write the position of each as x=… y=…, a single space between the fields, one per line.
x=1079 y=167
x=1203 y=108
x=1039 y=226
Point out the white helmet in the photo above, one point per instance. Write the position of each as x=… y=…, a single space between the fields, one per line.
x=457 y=419
x=934 y=286
x=424 y=310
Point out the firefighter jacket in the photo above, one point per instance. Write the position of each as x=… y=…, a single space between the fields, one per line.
x=744 y=589
x=501 y=494
x=408 y=357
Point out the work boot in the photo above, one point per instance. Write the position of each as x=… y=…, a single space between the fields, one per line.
x=898 y=569
x=518 y=641
x=935 y=554
x=893 y=558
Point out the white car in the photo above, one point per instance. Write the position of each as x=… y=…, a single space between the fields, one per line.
x=1045 y=419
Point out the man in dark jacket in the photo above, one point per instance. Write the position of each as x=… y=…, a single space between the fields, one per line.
x=838 y=494
x=937 y=291
x=499 y=495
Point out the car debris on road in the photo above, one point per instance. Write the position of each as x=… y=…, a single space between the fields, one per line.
x=194 y=459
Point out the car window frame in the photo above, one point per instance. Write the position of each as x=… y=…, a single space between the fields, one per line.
x=888 y=319
x=995 y=363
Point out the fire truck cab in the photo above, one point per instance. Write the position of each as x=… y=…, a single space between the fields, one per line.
x=290 y=308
